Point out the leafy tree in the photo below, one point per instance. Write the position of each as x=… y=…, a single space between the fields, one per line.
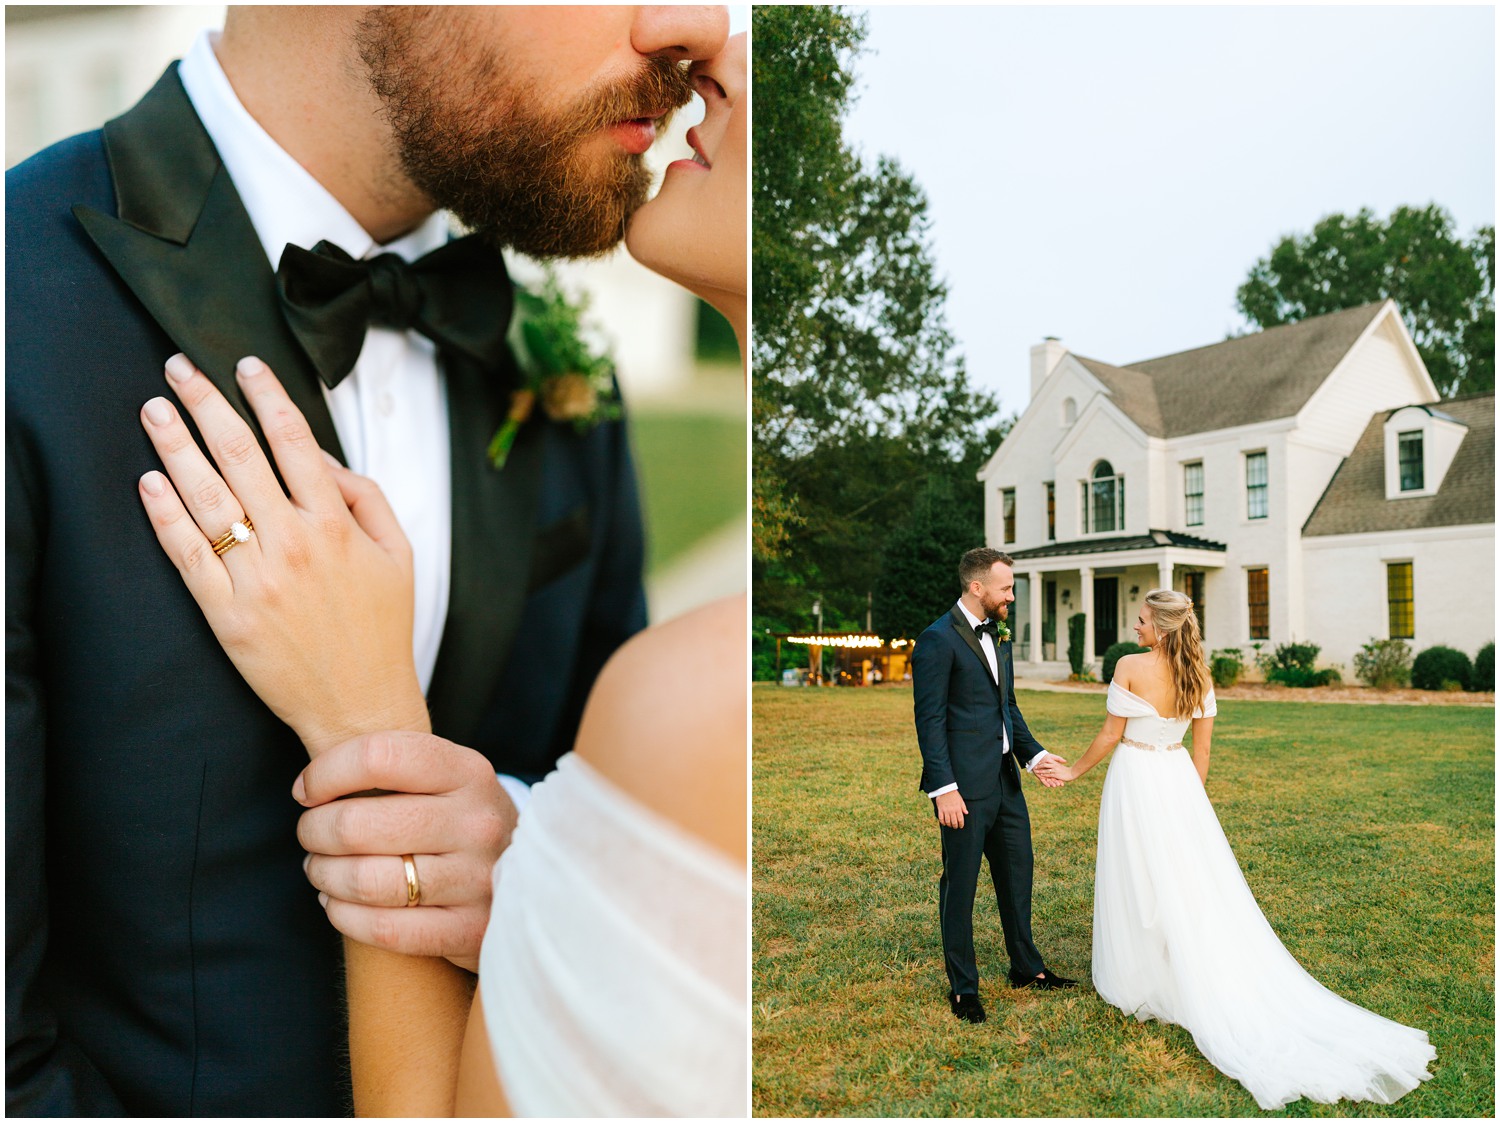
x=861 y=401
x=919 y=560
x=1444 y=286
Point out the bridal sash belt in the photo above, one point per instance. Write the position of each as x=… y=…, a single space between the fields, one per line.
x=1151 y=748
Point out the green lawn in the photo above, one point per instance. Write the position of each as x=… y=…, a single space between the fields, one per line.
x=1366 y=833
x=692 y=472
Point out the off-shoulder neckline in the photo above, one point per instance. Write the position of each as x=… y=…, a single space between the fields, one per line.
x=1113 y=684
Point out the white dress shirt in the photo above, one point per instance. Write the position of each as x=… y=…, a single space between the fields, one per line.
x=987 y=642
x=391 y=410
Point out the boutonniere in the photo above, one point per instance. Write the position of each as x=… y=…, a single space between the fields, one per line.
x=1002 y=631
x=564 y=371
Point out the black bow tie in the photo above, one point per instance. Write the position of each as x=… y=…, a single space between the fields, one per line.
x=458 y=296
x=988 y=626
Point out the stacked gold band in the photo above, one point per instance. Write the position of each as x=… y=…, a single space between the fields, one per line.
x=413 y=886
x=237 y=533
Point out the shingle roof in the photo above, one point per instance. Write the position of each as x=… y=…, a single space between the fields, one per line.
x=1259 y=377
x=1354 y=501
x=1149 y=541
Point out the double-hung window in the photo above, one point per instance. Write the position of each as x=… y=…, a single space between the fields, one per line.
x=1259 y=584
x=1192 y=492
x=1399 y=600
x=1410 y=454
x=1257 y=499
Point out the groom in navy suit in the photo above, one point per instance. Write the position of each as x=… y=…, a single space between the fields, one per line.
x=971 y=734
x=165 y=954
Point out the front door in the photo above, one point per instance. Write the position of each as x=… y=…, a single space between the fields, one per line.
x=1106 y=613
x=1194 y=589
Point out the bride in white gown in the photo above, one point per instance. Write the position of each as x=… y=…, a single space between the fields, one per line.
x=1177 y=934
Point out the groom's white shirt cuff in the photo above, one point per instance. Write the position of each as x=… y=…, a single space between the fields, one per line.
x=519 y=792
x=1030 y=765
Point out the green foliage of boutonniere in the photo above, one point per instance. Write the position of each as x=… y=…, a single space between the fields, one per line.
x=560 y=371
x=1002 y=631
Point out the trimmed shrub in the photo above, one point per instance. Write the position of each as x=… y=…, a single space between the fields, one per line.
x=1112 y=656
x=1076 y=623
x=1384 y=664
x=1303 y=656
x=1483 y=677
x=1438 y=665
x=1226 y=665
x=1292 y=664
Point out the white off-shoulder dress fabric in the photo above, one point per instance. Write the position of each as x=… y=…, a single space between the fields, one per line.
x=1178 y=937
x=614 y=970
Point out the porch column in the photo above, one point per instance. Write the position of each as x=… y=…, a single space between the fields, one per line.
x=1086 y=605
x=1164 y=575
x=1034 y=615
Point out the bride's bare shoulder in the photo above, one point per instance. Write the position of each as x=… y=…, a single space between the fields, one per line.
x=666 y=722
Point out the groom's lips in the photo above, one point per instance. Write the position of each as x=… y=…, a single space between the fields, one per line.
x=635 y=135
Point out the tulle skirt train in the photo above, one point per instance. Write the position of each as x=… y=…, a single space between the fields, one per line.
x=1178 y=937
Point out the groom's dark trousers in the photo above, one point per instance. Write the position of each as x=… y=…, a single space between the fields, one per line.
x=165 y=954
x=961 y=712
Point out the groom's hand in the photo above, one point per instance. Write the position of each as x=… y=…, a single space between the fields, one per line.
x=951 y=809
x=1052 y=771
x=436 y=801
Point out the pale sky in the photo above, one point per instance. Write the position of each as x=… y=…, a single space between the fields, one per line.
x=1108 y=175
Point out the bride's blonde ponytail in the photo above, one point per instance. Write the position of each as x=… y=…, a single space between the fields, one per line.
x=1181 y=645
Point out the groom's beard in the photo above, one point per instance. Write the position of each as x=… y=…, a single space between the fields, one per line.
x=468 y=139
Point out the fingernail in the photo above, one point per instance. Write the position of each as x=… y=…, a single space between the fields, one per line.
x=299 y=789
x=323 y=899
x=153 y=483
x=158 y=412
x=250 y=366
x=333 y=461
x=178 y=368
x=306 y=860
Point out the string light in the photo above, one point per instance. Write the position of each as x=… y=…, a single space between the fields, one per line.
x=838 y=641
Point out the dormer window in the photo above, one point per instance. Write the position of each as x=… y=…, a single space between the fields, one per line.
x=1103 y=500
x=1410 y=451
x=1420 y=444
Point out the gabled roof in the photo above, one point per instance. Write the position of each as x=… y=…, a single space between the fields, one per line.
x=1148 y=541
x=1259 y=377
x=1354 y=501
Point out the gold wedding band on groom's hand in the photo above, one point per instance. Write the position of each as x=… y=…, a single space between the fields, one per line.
x=413 y=886
x=238 y=532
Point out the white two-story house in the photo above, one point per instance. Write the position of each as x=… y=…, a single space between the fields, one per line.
x=1301 y=484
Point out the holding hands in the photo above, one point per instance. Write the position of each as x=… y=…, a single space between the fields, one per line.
x=1053 y=771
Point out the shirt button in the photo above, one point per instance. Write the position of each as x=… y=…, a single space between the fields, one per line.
x=386 y=404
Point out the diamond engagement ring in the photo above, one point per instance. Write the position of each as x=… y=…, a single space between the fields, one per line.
x=238 y=532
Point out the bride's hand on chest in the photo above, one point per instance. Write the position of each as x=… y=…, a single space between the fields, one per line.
x=309 y=590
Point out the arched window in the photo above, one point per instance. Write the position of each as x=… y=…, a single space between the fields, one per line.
x=1103 y=500
x=1070 y=411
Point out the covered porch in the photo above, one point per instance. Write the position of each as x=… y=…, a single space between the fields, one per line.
x=1106 y=579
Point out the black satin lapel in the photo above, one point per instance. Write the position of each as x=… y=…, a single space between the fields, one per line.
x=185 y=247
x=965 y=631
x=494 y=516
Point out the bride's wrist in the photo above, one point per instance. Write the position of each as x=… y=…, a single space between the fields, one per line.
x=408 y=715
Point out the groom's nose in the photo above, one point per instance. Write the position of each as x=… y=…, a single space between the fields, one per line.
x=680 y=31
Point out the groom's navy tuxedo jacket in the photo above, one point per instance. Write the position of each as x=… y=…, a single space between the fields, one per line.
x=164 y=953
x=961 y=710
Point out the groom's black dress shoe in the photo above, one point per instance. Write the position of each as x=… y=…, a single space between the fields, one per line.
x=1049 y=980
x=967 y=1007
